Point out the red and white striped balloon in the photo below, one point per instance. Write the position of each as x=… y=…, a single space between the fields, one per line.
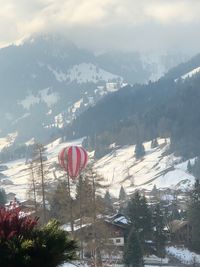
x=73 y=159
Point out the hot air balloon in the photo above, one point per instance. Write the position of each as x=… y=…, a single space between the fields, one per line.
x=73 y=160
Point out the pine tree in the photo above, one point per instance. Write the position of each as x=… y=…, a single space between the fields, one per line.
x=139 y=150
x=59 y=202
x=159 y=233
x=122 y=194
x=140 y=216
x=154 y=143
x=108 y=202
x=196 y=168
x=154 y=191
x=175 y=215
x=84 y=194
x=194 y=216
x=189 y=167
x=133 y=256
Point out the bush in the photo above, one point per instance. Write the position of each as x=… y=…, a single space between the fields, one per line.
x=22 y=244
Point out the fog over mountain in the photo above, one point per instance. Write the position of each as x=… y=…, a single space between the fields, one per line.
x=131 y=25
x=47 y=81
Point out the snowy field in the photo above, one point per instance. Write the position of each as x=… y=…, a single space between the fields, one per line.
x=119 y=167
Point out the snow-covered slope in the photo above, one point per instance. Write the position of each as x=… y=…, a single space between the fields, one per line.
x=18 y=172
x=189 y=74
x=121 y=168
x=84 y=73
x=7 y=141
x=117 y=168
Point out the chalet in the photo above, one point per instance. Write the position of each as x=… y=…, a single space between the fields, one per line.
x=108 y=233
x=180 y=232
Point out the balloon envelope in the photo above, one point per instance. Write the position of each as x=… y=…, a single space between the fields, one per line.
x=73 y=159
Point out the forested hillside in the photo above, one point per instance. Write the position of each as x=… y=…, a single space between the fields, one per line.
x=166 y=108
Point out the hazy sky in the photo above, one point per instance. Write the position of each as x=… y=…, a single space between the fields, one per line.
x=106 y=24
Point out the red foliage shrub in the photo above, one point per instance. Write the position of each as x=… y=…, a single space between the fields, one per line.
x=13 y=224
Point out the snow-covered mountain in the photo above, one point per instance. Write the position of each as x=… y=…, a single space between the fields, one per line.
x=48 y=81
x=120 y=167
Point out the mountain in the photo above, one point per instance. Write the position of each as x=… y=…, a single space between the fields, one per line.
x=183 y=68
x=44 y=78
x=46 y=82
x=166 y=108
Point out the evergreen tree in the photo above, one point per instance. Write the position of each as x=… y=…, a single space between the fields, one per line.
x=140 y=216
x=122 y=194
x=59 y=202
x=196 y=168
x=155 y=191
x=133 y=256
x=154 y=143
x=139 y=150
x=2 y=197
x=39 y=169
x=158 y=233
x=175 y=215
x=194 y=216
x=84 y=197
x=189 y=167
x=108 y=203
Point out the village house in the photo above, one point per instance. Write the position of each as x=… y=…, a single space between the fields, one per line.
x=107 y=233
x=180 y=232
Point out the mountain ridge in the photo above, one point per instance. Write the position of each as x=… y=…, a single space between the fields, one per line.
x=43 y=78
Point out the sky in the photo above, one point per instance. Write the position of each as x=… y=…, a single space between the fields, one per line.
x=128 y=25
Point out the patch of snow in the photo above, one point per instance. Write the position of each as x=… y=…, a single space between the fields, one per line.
x=59 y=120
x=30 y=142
x=49 y=99
x=67 y=227
x=29 y=101
x=77 y=105
x=8 y=140
x=75 y=264
x=191 y=73
x=121 y=219
x=183 y=254
x=112 y=87
x=88 y=72
x=153 y=259
x=59 y=75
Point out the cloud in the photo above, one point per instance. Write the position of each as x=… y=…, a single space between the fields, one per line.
x=105 y=24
